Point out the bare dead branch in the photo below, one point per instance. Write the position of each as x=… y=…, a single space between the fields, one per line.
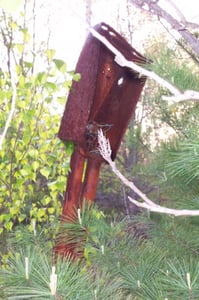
x=105 y=150
x=152 y=7
x=187 y=95
x=165 y=210
x=183 y=20
x=177 y=10
x=177 y=95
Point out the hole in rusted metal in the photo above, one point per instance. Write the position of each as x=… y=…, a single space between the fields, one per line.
x=112 y=33
x=104 y=27
x=120 y=81
x=134 y=53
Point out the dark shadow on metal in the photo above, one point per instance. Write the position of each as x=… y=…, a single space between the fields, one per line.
x=104 y=98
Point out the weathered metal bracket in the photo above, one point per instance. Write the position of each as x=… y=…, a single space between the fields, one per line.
x=105 y=97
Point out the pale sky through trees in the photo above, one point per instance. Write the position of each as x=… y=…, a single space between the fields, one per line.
x=69 y=28
x=67 y=22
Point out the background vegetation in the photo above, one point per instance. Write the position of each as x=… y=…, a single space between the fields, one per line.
x=34 y=163
x=127 y=253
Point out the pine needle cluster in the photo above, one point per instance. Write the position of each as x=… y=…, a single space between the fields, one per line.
x=119 y=261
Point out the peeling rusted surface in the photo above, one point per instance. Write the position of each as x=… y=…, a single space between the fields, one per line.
x=80 y=99
x=99 y=75
x=118 y=108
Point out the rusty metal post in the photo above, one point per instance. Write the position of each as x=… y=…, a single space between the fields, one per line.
x=74 y=186
x=104 y=98
x=91 y=179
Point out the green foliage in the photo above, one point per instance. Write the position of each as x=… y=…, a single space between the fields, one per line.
x=183 y=162
x=159 y=267
x=33 y=162
x=173 y=169
x=34 y=283
x=88 y=230
x=120 y=260
x=130 y=266
x=74 y=279
x=161 y=118
x=174 y=66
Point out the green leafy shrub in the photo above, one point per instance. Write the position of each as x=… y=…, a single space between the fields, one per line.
x=33 y=162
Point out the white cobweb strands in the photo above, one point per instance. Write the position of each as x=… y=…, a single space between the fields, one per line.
x=104 y=146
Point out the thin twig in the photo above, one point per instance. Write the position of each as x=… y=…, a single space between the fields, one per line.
x=10 y=116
